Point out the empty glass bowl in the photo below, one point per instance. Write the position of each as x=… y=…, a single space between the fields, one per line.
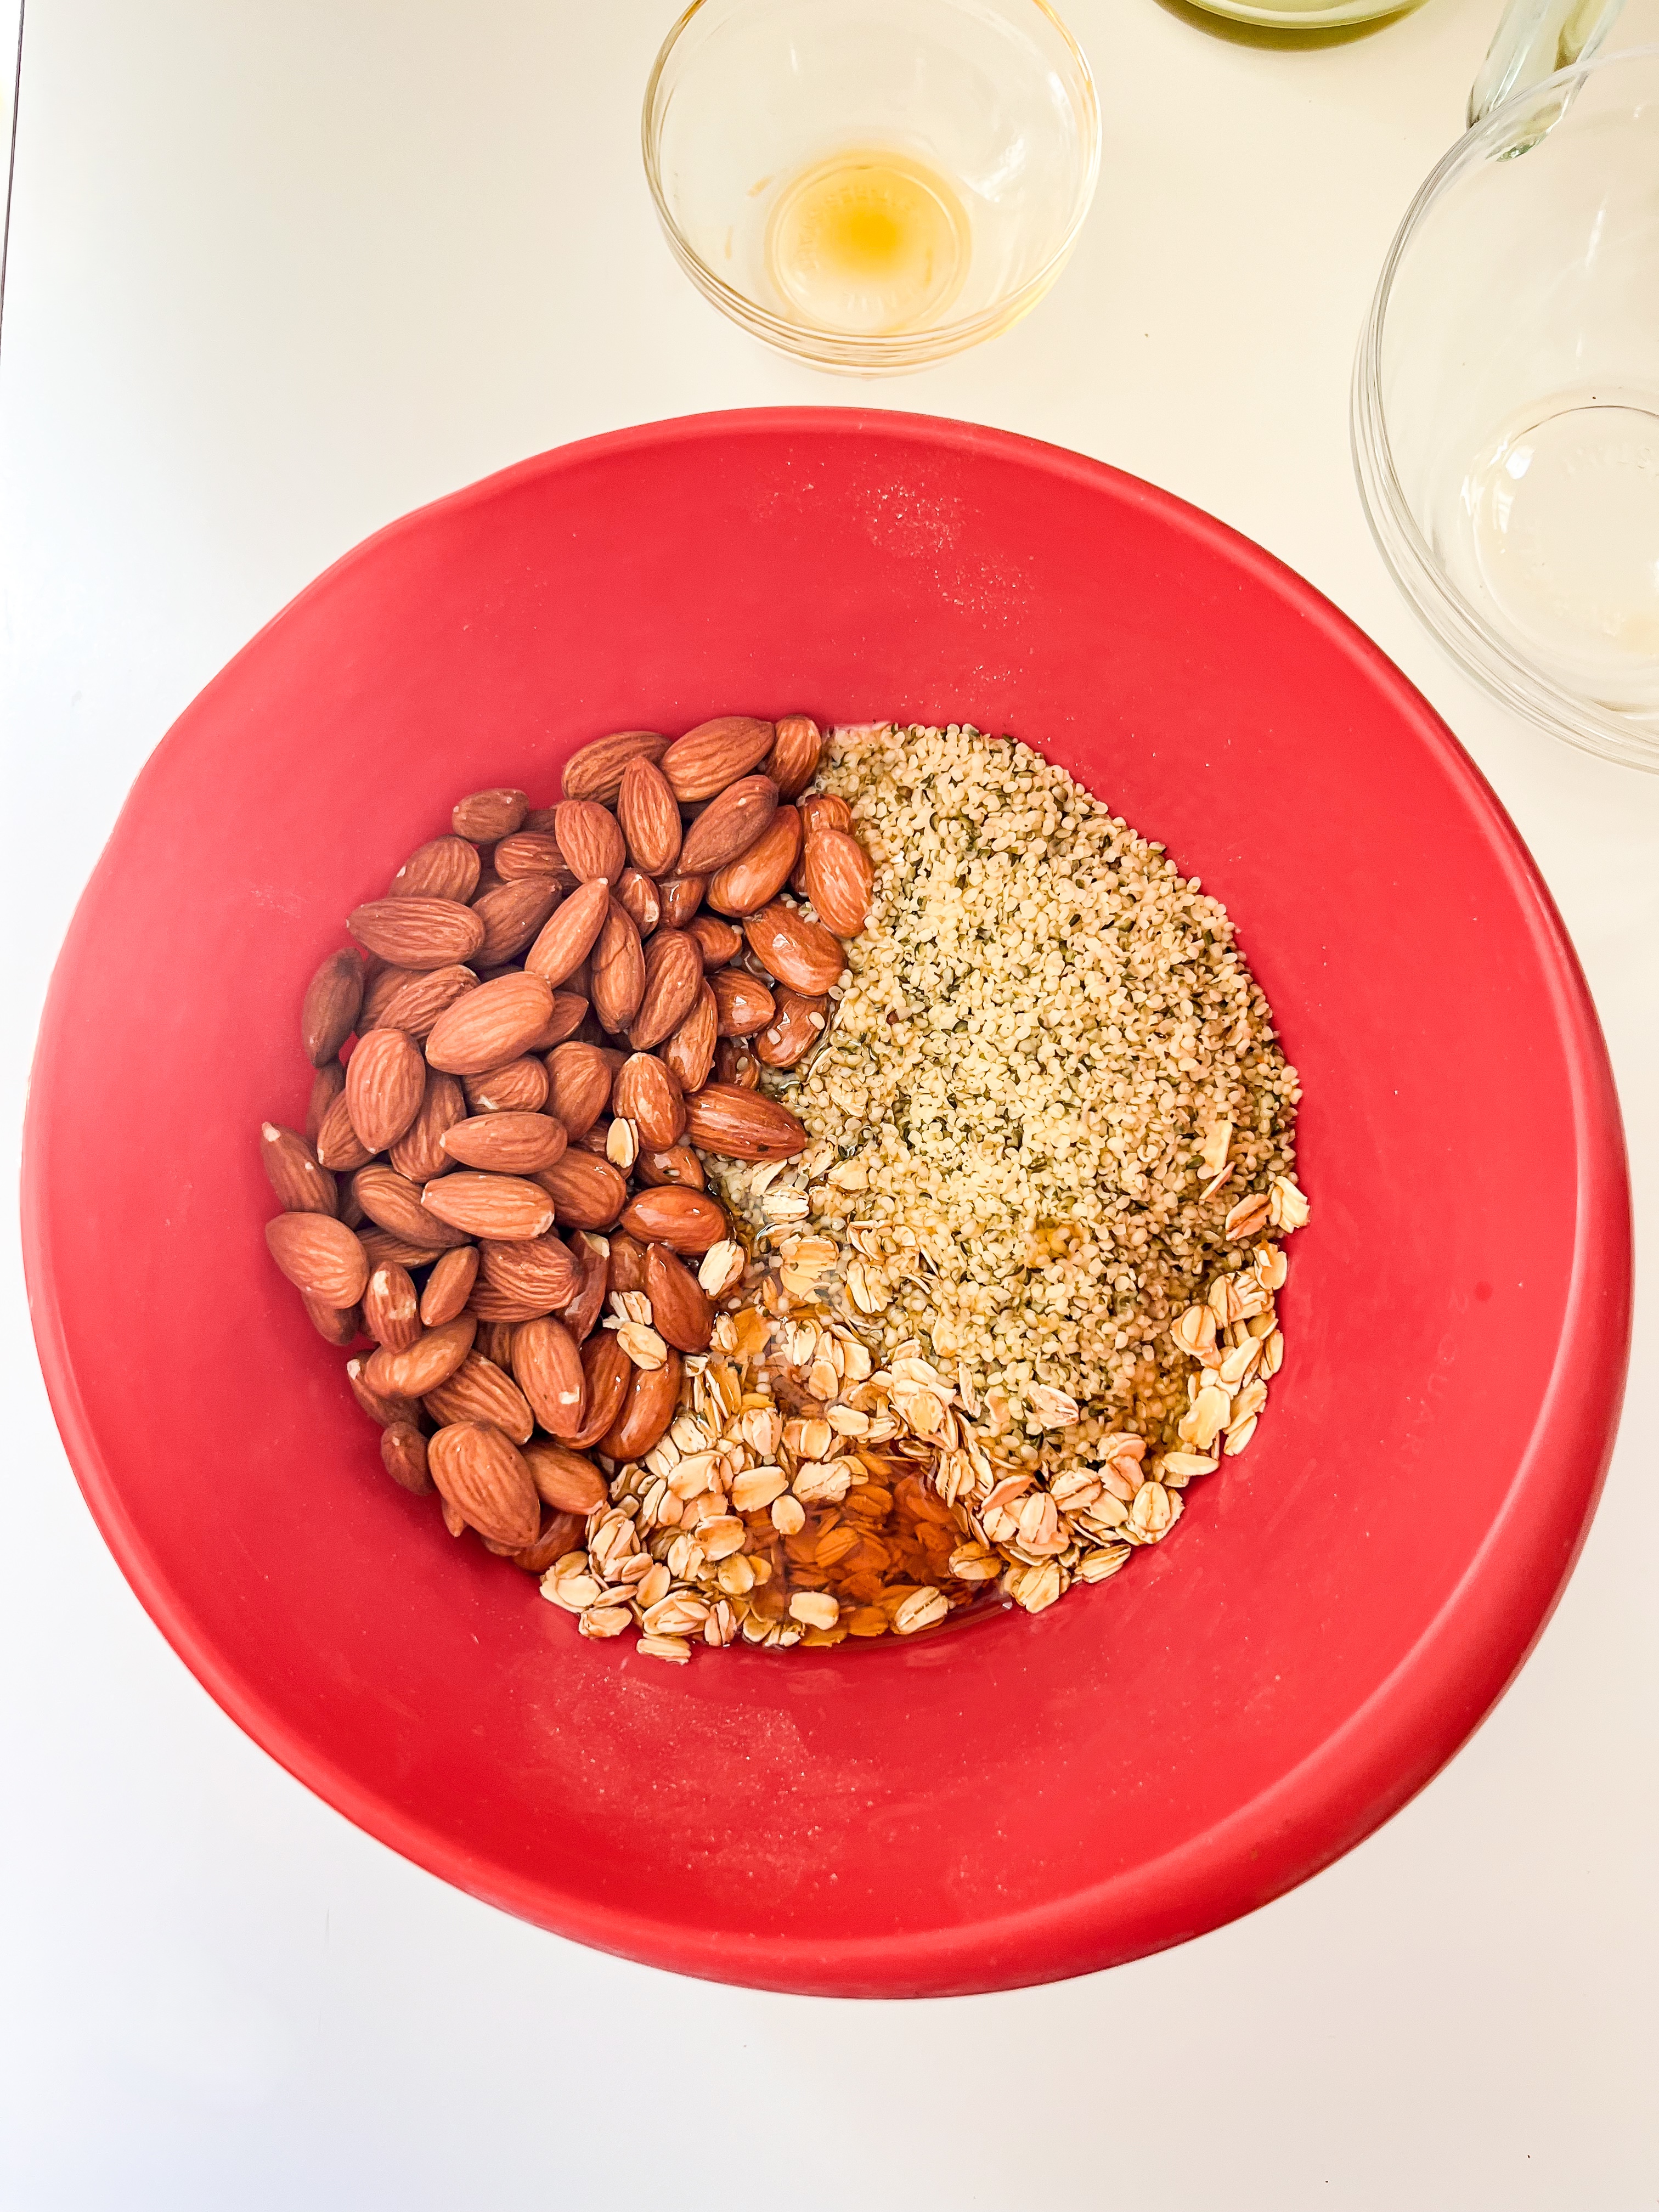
x=871 y=184
x=1506 y=405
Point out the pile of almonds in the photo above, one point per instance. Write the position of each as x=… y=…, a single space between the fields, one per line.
x=546 y=1018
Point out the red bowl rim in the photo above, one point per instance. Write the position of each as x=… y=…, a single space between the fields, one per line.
x=1360 y=1775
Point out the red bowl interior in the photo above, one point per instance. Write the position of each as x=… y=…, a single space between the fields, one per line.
x=1024 y=1800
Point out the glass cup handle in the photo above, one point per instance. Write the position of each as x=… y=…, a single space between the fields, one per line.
x=1536 y=39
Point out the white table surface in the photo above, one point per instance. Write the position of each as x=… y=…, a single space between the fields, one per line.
x=278 y=273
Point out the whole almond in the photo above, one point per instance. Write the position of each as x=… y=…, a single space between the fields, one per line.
x=681 y=1312
x=796 y=751
x=384 y=982
x=838 y=876
x=338 y=1325
x=647 y=1094
x=539 y=1270
x=799 y=953
x=418 y=1001
x=742 y=1124
x=647 y=1411
x=380 y=1405
x=530 y=852
x=716 y=753
x=689 y=1053
x=640 y=899
x=507 y=1143
x=482 y=1475
x=319 y=1256
x=333 y=1000
x=588 y=1193
x=444 y=868
x=625 y=1261
x=570 y=935
x=301 y=1185
x=402 y=1455
x=673 y=978
x=484 y=816
x=743 y=1002
x=761 y=873
x=517 y=1087
x=616 y=968
x=797 y=1025
x=512 y=914
x=386 y=1081
x=729 y=825
x=393 y=1202
x=381 y=1248
x=590 y=841
x=419 y=1152
x=566 y=1479
x=650 y=816
x=338 y=1146
x=717 y=940
x=681 y=896
x=429 y=1362
x=674 y=1164
x=570 y=1012
x=579 y=1085
x=478 y=1390
x=547 y=1363
x=560 y=1533
x=418 y=933
x=490 y=1024
x=584 y=1310
x=596 y=772
x=391 y=1308
x=823 y=810
x=685 y=1220
x=609 y=1371
x=448 y=1285
x=488 y=1205
x=327 y=1085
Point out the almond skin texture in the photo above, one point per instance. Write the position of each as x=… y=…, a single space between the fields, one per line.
x=569 y=1012
x=402 y=1455
x=385 y=1082
x=647 y=1094
x=507 y=1143
x=759 y=875
x=796 y=751
x=735 y=1063
x=444 y=868
x=484 y=816
x=638 y=897
x=716 y=753
x=519 y=1087
x=838 y=876
x=512 y=913
x=291 y=1168
x=681 y=896
x=418 y=933
x=570 y=935
x=823 y=810
x=717 y=940
x=429 y=1362
x=499 y=1310
x=673 y=978
x=391 y=1309
x=333 y=1000
x=561 y=1533
x=338 y=1325
x=625 y=1261
x=800 y=953
x=380 y=1405
x=590 y=841
x=419 y=1152
x=327 y=1085
x=565 y=1480
x=394 y=1204
x=449 y=1286
x=729 y=825
x=530 y=852
x=675 y=1164
x=319 y=1256
x=482 y=1475
x=382 y=1247
x=547 y=1365
x=579 y=1087
x=596 y=772
x=418 y=1000
x=583 y=1311
x=650 y=816
x=793 y=1032
x=616 y=969
x=494 y=1342
x=742 y=1002
x=490 y=1206
x=478 y=1390
x=587 y=1192
x=681 y=1311
x=647 y=1411
x=743 y=1124
x=609 y=1371
x=688 y=1054
x=685 y=1220
x=489 y=1025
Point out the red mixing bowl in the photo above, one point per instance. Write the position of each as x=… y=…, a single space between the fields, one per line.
x=1019 y=1801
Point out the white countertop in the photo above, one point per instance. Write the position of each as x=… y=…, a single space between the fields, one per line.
x=277 y=274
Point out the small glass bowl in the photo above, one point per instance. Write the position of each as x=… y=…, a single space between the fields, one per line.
x=994 y=97
x=1505 y=411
